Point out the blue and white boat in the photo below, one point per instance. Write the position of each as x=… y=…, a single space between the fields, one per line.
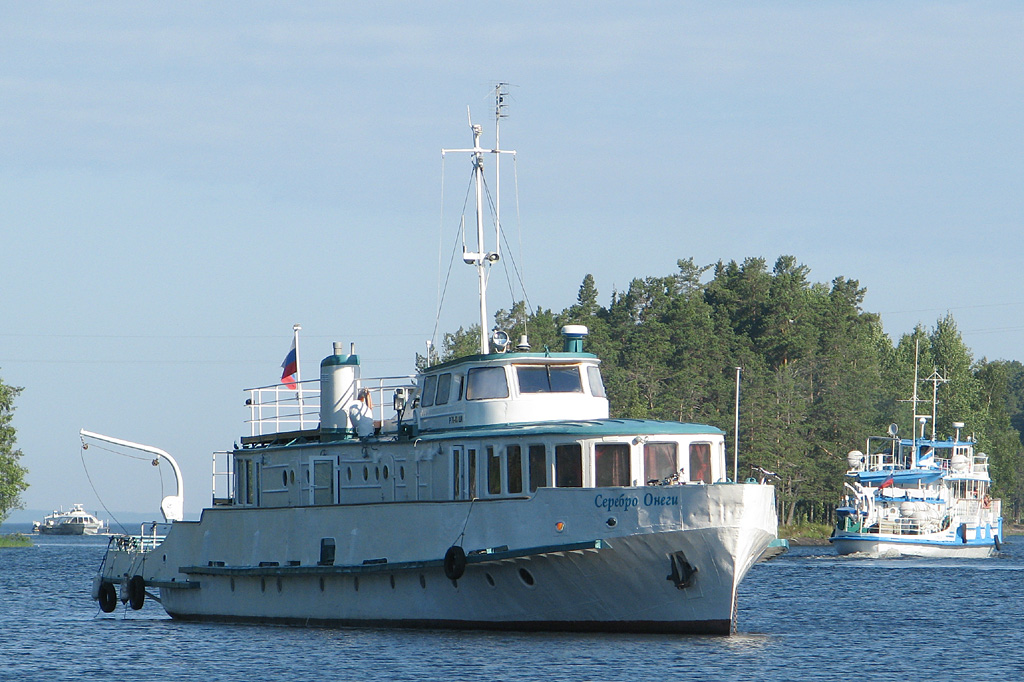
x=492 y=491
x=919 y=496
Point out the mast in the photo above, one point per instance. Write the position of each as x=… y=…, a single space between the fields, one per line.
x=481 y=258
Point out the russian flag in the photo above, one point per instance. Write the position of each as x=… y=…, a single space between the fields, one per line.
x=289 y=368
x=886 y=483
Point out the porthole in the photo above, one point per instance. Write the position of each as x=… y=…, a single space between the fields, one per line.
x=263 y=584
x=321 y=584
x=356 y=582
x=307 y=476
x=349 y=472
x=291 y=475
x=376 y=473
x=392 y=582
x=366 y=474
x=279 y=585
x=526 y=577
x=423 y=581
x=232 y=584
x=490 y=580
x=284 y=478
x=385 y=472
x=401 y=473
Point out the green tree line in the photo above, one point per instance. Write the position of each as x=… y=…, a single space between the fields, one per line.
x=819 y=375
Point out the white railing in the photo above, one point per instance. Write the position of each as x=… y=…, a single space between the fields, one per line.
x=279 y=409
x=223 y=480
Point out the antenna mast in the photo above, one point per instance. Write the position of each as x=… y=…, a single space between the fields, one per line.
x=482 y=259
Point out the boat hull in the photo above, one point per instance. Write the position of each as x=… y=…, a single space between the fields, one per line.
x=981 y=543
x=656 y=559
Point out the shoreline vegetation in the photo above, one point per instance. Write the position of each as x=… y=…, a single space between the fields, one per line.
x=15 y=540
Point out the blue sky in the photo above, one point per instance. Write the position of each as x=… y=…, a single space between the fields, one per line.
x=180 y=184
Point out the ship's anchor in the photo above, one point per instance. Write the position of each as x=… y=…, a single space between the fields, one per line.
x=682 y=570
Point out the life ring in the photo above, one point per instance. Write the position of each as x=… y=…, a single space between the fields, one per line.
x=107 y=597
x=454 y=562
x=136 y=592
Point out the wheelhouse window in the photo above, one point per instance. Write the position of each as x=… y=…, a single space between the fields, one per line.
x=486 y=382
x=538 y=467
x=569 y=466
x=660 y=461
x=549 y=379
x=700 y=462
x=611 y=464
x=514 y=468
x=444 y=389
x=429 y=388
x=596 y=383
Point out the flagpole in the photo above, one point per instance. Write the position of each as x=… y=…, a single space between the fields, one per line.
x=298 y=375
x=736 y=432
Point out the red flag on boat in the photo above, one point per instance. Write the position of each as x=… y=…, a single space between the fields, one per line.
x=290 y=367
x=886 y=483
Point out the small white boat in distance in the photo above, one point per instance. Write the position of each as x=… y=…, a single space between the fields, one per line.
x=75 y=521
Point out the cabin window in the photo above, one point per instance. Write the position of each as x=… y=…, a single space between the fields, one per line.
x=493 y=471
x=538 y=467
x=611 y=464
x=459 y=380
x=457 y=473
x=486 y=382
x=549 y=379
x=700 y=462
x=444 y=389
x=596 y=383
x=569 y=466
x=659 y=461
x=514 y=468
x=471 y=471
x=429 y=388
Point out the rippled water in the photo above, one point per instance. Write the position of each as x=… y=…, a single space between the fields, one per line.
x=807 y=615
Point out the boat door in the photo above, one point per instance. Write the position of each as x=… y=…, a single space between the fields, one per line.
x=321 y=487
x=464 y=471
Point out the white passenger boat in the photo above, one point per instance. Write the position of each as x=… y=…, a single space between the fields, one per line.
x=75 y=521
x=492 y=491
x=919 y=497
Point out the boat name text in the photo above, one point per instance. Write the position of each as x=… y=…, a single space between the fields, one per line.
x=625 y=502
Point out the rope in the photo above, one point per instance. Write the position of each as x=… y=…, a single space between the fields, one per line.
x=462 y=535
x=81 y=454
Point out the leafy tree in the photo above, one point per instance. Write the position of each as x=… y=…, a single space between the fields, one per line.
x=12 y=474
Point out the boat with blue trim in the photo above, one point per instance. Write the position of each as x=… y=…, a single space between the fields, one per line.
x=919 y=496
x=491 y=491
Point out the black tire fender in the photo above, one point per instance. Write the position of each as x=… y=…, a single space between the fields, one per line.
x=136 y=592
x=454 y=562
x=107 y=597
